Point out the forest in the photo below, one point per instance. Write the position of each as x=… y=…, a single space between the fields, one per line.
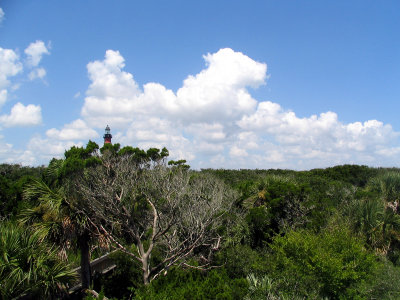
x=177 y=233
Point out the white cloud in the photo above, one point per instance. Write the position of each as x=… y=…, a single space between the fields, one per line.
x=37 y=73
x=208 y=132
x=9 y=154
x=219 y=91
x=77 y=130
x=213 y=121
x=216 y=161
x=10 y=66
x=22 y=115
x=214 y=111
x=46 y=149
x=35 y=52
x=111 y=95
x=237 y=152
x=3 y=97
x=316 y=132
x=2 y=14
x=156 y=132
x=38 y=151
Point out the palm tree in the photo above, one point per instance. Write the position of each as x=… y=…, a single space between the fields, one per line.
x=368 y=216
x=55 y=219
x=50 y=217
x=30 y=266
x=378 y=216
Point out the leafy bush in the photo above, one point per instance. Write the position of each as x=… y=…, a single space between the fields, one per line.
x=384 y=284
x=331 y=264
x=259 y=220
x=241 y=260
x=194 y=284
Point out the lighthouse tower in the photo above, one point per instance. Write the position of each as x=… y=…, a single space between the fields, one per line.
x=107 y=136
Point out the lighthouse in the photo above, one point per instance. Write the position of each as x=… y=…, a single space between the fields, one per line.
x=107 y=136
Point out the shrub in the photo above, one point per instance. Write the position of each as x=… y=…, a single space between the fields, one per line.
x=332 y=263
x=194 y=284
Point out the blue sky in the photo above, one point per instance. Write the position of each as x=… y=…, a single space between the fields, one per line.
x=233 y=84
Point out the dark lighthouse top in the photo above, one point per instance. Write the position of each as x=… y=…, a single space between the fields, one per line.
x=107 y=136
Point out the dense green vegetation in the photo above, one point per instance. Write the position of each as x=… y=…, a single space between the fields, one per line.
x=261 y=234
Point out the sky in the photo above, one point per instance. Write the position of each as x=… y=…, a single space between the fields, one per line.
x=222 y=84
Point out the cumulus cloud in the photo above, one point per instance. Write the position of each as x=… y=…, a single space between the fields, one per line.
x=157 y=132
x=218 y=92
x=214 y=118
x=213 y=121
x=35 y=52
x=112 y=94
x=77 y=130
x=10 y=66
x=22 y=115
x=317 y=132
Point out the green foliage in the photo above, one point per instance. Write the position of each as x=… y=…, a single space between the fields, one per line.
x=281 y=241
x=78 y=158
x=136 y=154
x=28 y=265
x=278 y=204
x=179 y=163
x=14 y=172
x=353 y=174
x=155 y=154
x=241 y=260
x=48 y=216
x=91 y=148
x=264 y=287
x=139 y=156
x=384 y=284
x=367 y=217
x=331 y=264
x=13 y=178
x=259 y=221
x=375 y=214
x=193 y=284
x=235 y=177
x=112 y=148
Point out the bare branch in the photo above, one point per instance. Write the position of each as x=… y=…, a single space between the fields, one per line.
x=171 y=209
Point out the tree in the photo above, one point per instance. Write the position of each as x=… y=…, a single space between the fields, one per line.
x=12 y=180
x=57 y=215
x=166 y=214
x=28 y=265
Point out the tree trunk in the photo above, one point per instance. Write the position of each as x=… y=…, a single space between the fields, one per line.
x=146 y=271
x=83 y=244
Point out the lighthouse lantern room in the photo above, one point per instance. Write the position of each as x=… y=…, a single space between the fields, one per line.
x=107 y=136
